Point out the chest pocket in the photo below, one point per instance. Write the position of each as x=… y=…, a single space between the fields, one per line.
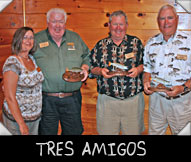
x=181 y=61
x=73 y=58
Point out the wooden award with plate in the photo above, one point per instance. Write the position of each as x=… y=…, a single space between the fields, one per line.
x=73 y=75
x=118 y=72
x=160 y=88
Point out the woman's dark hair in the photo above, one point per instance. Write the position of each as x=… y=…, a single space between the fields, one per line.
x=18 y=39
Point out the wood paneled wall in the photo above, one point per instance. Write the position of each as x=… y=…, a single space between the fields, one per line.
x=89 y=18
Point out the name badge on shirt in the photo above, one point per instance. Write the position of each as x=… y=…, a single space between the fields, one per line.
x=71 y=46
x=181 y=57
x=130 y=55
x=43 y=44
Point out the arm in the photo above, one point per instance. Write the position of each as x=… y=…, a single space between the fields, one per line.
x=86 y=60
x=85 y=69
x=147 y=68
x=95 y=59
x=135 y=71
x=147 y=83
x=10 y=86
x=188 y=83
x=175 y=90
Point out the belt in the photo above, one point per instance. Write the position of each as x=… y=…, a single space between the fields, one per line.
x=175 y=97
x=60 y=94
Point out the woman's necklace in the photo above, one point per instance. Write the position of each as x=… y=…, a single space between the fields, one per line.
x=26 y=58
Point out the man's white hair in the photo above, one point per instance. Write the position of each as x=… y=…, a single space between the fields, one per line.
x=56 y=10
x=165 y=7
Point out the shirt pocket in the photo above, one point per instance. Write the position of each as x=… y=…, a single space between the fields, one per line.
x=181 y=62
x=74 y=57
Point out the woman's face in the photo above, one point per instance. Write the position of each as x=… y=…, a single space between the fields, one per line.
x=28 y=41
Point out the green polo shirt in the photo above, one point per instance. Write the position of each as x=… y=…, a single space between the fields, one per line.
x=54 y=60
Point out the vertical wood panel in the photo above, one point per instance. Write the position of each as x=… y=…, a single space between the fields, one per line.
x=89 y=18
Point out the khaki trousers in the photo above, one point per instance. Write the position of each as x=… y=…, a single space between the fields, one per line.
x=115 y=115
x=162 y=112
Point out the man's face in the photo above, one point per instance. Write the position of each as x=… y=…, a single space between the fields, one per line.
x=167 y=22
x=118 y=28
x=56 y=25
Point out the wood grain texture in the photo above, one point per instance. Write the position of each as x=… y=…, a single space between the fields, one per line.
x=14 y=7
x=72 y=6
x=100 y=20
x=89 y=18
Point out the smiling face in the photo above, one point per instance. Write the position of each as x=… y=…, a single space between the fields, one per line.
x=28 y=41
x=167 y=22
x=56 y=25
x=118 y=28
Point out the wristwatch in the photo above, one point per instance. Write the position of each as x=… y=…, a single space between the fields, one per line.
x=185 y=87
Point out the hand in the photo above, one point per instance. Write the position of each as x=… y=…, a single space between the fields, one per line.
x=85 y=72
x=104 y=72
x=175 y=90
x=133 y=72
x=24 y=129
x=146 y=88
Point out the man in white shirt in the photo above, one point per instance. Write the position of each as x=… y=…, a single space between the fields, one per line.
x=167 y=61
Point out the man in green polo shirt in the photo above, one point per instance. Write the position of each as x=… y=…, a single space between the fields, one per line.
x=59 y=49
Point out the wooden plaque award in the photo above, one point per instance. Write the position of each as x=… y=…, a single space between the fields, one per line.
x=160 y=88
x=73 y=75
x=118 y=72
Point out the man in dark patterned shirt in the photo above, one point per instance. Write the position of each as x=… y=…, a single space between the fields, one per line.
x=120 y=104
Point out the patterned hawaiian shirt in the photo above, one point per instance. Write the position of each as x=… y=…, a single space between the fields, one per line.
x=170 y=61
x=130 y=54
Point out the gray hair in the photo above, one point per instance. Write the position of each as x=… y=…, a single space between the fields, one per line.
x=56 y=10
x=118 y=13
x=167 y=6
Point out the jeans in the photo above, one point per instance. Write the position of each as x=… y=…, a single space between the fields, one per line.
x=67 y=110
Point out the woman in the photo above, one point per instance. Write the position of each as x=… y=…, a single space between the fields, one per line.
x=22 y=82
